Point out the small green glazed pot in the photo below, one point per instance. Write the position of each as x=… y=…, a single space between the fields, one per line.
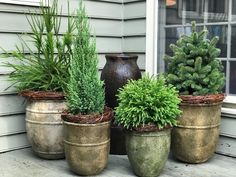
x=148 y=151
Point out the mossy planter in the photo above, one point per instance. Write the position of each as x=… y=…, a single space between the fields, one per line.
x=87 y=147
x=148 y=151
x=44 y=125
x=195 y=138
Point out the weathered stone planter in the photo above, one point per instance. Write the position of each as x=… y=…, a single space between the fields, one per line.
x=44 y=127
x=148 y=151
x=195 y=138
x=87 y=146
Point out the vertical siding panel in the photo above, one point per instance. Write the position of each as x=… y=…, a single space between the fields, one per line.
x=134 y=29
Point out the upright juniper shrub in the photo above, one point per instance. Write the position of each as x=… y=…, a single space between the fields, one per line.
x=85 y=94
x=194 y=68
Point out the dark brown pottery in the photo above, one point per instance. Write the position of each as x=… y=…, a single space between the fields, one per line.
x=115 y=74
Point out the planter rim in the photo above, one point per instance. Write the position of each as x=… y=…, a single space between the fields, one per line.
x=148 y=128
x=201 y=104
x=162 y=132
x=202 y=99
x=42 y=95
x=105 y=116
x=122 y=56
x=86 y=125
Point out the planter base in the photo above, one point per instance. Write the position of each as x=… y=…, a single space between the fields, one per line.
x=49 y=155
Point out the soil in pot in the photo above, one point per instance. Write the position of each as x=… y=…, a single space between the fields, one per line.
x=43 y=123
x=87 y=142
x=195 y=138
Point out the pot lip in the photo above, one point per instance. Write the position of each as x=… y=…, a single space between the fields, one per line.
x=42 y=95
x=122 y=56
x=200 y=104
x=86 y=125
x=210 y=99
x=149 y=133
x=152 y=128
x=105 y=116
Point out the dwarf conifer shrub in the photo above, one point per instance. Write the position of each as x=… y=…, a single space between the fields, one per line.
x=85 y=93
x=42 y=64
x=147 y=100
x=194 y=68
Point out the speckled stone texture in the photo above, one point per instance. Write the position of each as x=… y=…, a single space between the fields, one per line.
x=195 y=138
x=44 y=127
x=148 y=151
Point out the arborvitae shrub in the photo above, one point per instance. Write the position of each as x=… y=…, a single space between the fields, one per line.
x=85 y=93
x=194 y=68
x=147 y=100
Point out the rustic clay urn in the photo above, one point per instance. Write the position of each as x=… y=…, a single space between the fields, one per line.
x=117 y=71
x=148 y=151
x=87 y=147
x=195 y=138
x=44 y=125
x=87 y=141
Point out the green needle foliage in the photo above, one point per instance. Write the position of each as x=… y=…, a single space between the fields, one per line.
x=42 y=64
x=85 y=93
x=147 y=100
x=194 y=68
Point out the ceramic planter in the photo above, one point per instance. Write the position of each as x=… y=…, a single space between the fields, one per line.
x=148 y=151
x=44 y=127
x=195 y=138
x=115 y=74
x=87 y=146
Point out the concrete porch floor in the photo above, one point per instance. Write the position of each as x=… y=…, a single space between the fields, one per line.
x=23 y=163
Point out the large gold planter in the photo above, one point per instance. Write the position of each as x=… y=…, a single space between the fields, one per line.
x=87 y=146
x=195 y=138
x=44 y=127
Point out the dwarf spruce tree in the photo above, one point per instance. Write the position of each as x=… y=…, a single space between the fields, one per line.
x=85 y=94
x=194 y=68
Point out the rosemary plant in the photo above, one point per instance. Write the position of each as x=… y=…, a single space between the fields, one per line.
x=42 y=65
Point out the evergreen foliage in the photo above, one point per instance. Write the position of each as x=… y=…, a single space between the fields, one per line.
x=194 y=68
x=147 y=100
x=85 y=93
x=42 y=64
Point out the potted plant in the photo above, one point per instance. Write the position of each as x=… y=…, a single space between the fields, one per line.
x=40 y=74
x=87 y=121
x=197 y=73
x=147 y=108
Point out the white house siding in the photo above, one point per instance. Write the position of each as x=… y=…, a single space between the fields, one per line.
x=106 y=21
x=134 y=29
